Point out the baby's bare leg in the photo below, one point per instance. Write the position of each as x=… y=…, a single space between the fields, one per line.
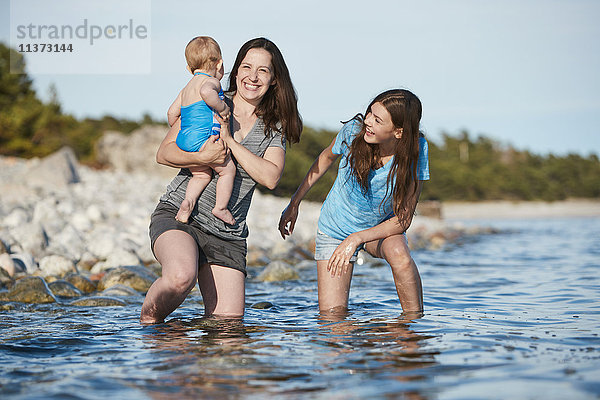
x=224 y=189
x=200 y=178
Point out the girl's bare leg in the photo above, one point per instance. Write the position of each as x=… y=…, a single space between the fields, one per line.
x=223 y=290
x=224 y=189
x=177 y=252
x=201 y=176
x=404 y=270
x=333 y=291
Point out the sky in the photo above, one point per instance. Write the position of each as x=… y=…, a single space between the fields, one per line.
x=525 y=73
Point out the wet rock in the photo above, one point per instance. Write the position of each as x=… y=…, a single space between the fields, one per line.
x=56 y=265
x=31 y=289
x=135 y=276
x=262 y=305
x=82 y=283
x=278 y=271
x=99 y=301
x=63 y=288
x=155 y=268
x=257 y=257
x=120 y=291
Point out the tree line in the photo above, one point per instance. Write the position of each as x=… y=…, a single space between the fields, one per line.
x=462 y=167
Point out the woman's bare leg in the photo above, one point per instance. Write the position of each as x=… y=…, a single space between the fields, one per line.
x=177 y=253
x=223 y=290
x=333 y=291
x=394 y=249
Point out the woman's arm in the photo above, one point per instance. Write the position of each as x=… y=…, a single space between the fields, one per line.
x=394 y=226
x=265 y=170
x=316 y=171
x=213 y=153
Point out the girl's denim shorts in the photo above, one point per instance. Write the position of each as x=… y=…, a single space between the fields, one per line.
x=325 y=246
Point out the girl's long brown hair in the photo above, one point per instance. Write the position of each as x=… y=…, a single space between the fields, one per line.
x=405 y=109
x=280 y=103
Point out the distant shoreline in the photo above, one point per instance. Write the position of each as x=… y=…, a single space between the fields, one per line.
x=521 y=209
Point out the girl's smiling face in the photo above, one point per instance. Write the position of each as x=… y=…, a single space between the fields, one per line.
x=255 y=75
x=379 y=128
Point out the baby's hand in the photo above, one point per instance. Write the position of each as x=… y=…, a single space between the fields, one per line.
x=225 y=113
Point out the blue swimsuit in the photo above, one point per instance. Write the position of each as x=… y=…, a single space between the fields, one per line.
x=198 y=123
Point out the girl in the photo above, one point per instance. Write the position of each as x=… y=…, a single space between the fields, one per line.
x=373 y=199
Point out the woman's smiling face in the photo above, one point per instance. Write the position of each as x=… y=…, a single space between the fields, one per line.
x=255 y=75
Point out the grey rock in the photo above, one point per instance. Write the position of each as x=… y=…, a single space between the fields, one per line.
x=278 y=271
x=17 y=217
x=31 y=289
x=135 y=152
x=56 y=265
x=98 y=301
x=82 y=283
x=262 y=305
x=24 y=262
x=63 y=288
x=55 y=171
x=119 y=291
x=31 y=238
x=135 y=276
x=119 y=257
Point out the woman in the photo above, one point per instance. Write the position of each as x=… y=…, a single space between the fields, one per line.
x=264 y=114
x=372 y=201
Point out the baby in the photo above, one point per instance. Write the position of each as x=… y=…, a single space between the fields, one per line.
x=196 y=104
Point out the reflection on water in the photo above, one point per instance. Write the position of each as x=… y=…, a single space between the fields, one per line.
x=512 y=315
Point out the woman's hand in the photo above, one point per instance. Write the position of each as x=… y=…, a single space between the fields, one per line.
x=340 y=259
x=288 y=216
x=214 y=151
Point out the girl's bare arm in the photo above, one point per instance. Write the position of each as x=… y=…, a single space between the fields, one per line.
x=316 y=171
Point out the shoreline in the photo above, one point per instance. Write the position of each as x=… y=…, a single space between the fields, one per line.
x=520 y=209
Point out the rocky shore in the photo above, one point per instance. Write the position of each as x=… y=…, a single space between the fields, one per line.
x=79 y=236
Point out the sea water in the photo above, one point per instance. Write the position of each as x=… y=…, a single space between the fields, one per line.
x=511 y=315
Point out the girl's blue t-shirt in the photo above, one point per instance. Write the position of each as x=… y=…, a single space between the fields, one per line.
x=347 y=209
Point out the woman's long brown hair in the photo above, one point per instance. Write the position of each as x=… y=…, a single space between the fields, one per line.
x=405 y=109
x=280 y=103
